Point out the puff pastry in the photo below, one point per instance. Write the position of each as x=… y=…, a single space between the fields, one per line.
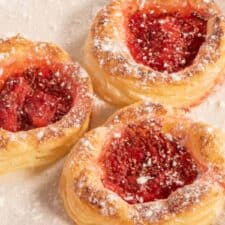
x=45 y=103
x=169 y=52
x=147 y=165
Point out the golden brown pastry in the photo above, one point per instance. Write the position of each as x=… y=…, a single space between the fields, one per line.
x=169 y=52
x=45 y=103
x=148 y=165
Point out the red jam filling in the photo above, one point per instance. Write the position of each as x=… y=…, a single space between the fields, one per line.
x=35 y=98
x=166 y=42
x=144 y=165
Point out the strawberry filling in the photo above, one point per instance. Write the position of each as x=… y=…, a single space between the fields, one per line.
x=166 y=42
x=35 y=98
x=143 y=165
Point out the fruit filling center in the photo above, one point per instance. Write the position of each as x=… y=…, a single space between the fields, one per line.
x=166 y=42
x=142 y=164
x=35 y=98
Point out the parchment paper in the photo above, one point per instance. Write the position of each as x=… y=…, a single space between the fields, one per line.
x=31 y=196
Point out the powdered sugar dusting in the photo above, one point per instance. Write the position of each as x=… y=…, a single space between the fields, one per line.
x=40 y=135
x=102 y=201
x=87 y=144
x=142 y=3
x=154 y=211
x=143 y=180
x=33 y=195
x=110 y=45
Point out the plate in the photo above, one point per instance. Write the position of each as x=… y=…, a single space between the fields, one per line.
x=31 y=196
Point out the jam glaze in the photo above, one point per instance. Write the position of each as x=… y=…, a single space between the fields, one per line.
x=34 y=98
x=142 y=164
x=165 y=41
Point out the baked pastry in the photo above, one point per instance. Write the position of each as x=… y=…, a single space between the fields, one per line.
x=147 y=165
x=169 y=52
x=45 y=103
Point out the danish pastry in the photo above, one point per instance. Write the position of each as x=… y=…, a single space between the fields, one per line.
x=147 y=165
x=45 y=103
x=169 y=52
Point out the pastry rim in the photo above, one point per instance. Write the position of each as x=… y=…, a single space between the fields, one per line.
x=88 y=190
x=37 y=142
x=127 y=68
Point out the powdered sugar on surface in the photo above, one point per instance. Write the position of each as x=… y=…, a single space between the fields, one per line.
x=31 y=197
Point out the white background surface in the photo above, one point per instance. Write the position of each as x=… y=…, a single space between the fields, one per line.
x=31 y=196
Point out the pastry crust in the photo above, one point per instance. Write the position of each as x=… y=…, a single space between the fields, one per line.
x=40 y=146
x=88 y=201
x=119 y=79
